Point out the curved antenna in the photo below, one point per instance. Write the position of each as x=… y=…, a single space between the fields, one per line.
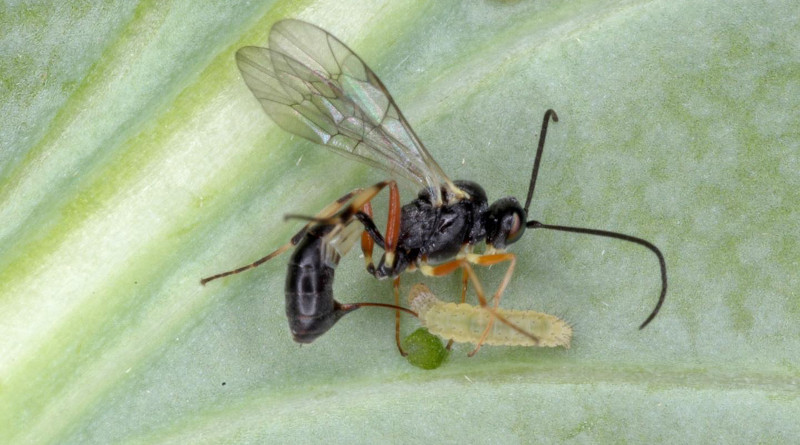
x=624 y=237
x=547 y=115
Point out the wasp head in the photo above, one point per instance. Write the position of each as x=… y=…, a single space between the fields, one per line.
x=505 y=222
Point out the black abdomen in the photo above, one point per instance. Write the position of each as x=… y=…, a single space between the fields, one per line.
x=310 y=306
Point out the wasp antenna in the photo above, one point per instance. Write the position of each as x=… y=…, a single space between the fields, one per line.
x=547 y=115
x=621 y=236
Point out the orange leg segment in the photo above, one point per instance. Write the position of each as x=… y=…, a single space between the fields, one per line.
x=392 y=224
x=391 y=237
x=469 y=274
x=488 y=260
x=367 y=243
x=392 y=233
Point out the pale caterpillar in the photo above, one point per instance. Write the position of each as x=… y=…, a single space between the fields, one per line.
x=465 y=323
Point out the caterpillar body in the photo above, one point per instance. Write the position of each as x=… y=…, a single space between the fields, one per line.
x=465 y=323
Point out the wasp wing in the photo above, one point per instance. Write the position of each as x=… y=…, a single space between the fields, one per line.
x=312 y=85
x=339 y=241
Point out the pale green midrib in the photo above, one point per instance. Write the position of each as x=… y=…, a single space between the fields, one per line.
x=46 y=215
x=83 y=96
x=18 y=387
x=62 y=209
x=18 y=382
x=158 y=269
x=19 y=19
x=221 y=207
x=121 y=279
x=216 y=424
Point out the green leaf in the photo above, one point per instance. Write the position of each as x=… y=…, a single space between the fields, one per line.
x=135 y=161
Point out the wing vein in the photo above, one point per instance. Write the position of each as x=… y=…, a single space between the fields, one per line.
x=312 y=85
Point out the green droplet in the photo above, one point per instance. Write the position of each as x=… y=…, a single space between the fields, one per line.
x=424 y=349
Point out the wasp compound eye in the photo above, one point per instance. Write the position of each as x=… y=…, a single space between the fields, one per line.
x=516 y=227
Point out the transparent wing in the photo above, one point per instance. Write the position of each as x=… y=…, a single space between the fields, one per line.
x=312 y=85
x=340 y=240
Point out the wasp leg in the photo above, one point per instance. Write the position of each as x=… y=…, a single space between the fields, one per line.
x=373 y=236
x=358 y=199
x=496 y=258
x=393 y=224
x=361 y=209
x=396 y=290
x=370 y=229
x=327 y=212
x=397 y=309
x=369 y=237
x=367 y=244
x=348 y=307
x=488 y=260
x=332 y=213
x=392 y=235
x=464 y=281
x=483 y=260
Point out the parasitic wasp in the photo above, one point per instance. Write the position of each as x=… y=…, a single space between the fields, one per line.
x=312 y=85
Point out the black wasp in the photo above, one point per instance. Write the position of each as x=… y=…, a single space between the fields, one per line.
x=312 y=85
